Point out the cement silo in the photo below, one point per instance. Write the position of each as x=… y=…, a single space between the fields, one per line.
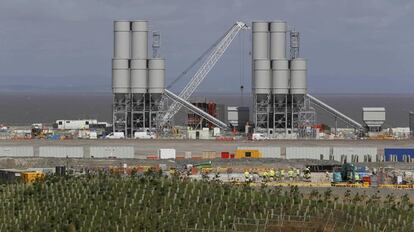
x=156 y=85
x=263 y=80
x=260 y=40
x=298 y=76
x=261 y=74
x=122 y=40
x=298 y=90
x=139 y=45
x=139 y=74
x=278 y=40
x=280 y=76
x=122 y=54
x=121 y=81
x=120 y=76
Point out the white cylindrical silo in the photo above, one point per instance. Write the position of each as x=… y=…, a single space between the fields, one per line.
x=262 y=76
x=120 y=76
x=156 y=75
x=139 y=76
x=260 y=40
x=280 y=76
x=122 y=40
x=278 y=40
x=139 y=44
x=298 y=73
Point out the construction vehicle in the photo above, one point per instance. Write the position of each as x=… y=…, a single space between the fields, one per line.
x=32 y=176
x=37 y=131
x=348 y=173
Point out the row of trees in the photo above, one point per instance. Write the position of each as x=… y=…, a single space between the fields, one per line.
x=157 y=203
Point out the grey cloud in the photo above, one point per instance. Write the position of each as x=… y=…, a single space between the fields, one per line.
x=358 y=45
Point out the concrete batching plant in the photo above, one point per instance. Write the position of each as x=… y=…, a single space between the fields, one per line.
x=137 y=80
x=279 y=85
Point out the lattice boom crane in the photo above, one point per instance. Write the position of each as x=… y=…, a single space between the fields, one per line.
x=203 y=71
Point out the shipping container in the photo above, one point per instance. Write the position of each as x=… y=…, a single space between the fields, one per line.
x=18 y=151
x=355 y=154
x=266 y=152
x=318 y=153
x=240 y=154
x=187 y=155
x=399 y=154
x=121 y=152
x=61 y=152
x=166 y=153
x=209 y=154
x=225 y=155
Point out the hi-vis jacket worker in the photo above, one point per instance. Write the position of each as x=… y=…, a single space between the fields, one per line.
x=290 y=173
x=272 y=173
x=282 y=173
x=246 y=175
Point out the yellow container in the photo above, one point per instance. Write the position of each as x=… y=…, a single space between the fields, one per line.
x=240 y=154
x=30 y=177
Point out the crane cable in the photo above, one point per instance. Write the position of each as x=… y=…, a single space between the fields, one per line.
x=242 y=47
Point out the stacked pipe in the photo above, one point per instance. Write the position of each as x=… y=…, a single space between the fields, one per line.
x=135 y=77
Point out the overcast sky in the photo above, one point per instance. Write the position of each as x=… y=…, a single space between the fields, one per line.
x=351 y=46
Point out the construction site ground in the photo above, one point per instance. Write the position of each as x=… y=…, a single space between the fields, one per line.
x=196 y=147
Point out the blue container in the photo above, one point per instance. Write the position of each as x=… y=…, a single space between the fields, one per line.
x=399 y=153
x=54 y=137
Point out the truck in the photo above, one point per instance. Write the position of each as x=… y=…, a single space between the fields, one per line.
x=116 y=135
x=74 y=124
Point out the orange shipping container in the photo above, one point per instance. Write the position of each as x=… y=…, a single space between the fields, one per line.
x=240 y=154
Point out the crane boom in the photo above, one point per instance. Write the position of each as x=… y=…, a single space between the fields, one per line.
x=203 y=71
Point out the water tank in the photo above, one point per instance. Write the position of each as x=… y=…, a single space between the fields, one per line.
x=278 y=40
x=280 y=76
x=139 y=80
x=122 y=40
x=120 y=76
x=298 y=72
x=139 y=45
x=260 y=47
x=262 y=76
x=156 y=75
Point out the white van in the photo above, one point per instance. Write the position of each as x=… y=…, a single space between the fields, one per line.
x=116 y=135
x=144 y=135
x=258 y=136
